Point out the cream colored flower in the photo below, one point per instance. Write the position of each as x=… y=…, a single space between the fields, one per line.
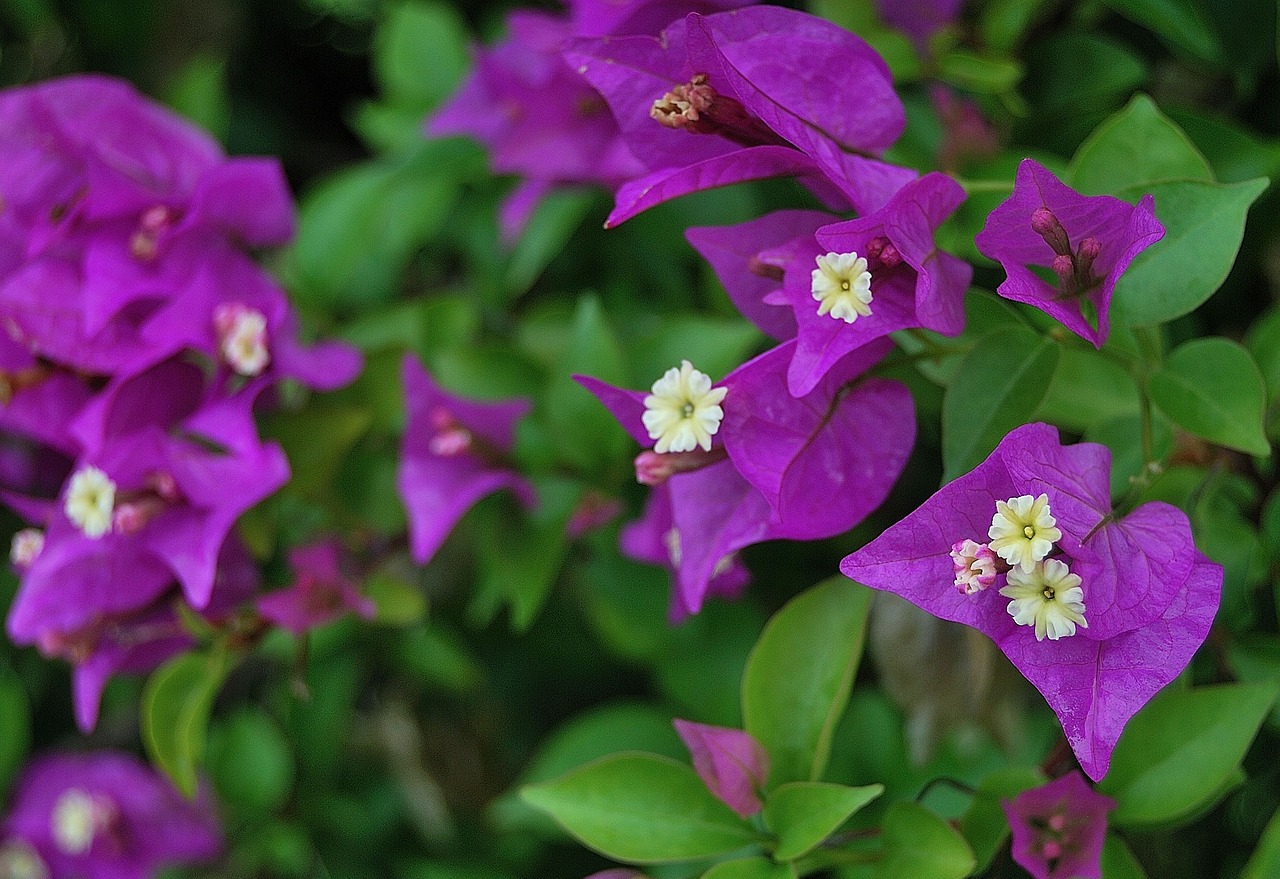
x=842 y=286
x=683 y=412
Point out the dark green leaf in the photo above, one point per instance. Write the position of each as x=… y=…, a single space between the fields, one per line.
x=920 y=845
x=397 y=602
x=1118 y=862
x=1135 y=148
x=978 y=73
x=1265 y=861
x=251 y=762
x=175 y=713
x=549 y=229
x=1204 y=224
x=641 y=808
x=804 y=813
x=1180 y=24
x=1263 y=342
x=1179 y=751
x=998 y=386
x=798 y=677
x=15 y=726
x=1088 y=388
x=1212 y=388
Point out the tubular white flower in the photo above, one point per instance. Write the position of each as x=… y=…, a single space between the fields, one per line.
x=18 y=860
x=91 y=496
x=1022 y=531
x=76 y=818
x=1049 y=598
x=242 y=338
x=26 y=547
x=683 y=412
x=842 y=286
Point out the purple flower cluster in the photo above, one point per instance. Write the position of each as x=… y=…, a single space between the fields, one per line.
x=101 y=816
x=1059 y=828
x=137 y=335
x=1098 y=611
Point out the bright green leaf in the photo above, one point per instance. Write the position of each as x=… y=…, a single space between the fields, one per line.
x=1088 y=388
x=798 y=677
x=1204 y=225
x=1263 y=342
x=920 y=845
x=750 y=868
x=1179 y=751
x=420 y=53
x=1135 y=148
x=199 y=92
x=985 y=825
x=979 y=73
x=1212 y=388
x=1265 y=861
x=1118 y=862
x=804 y=813
x=641 y=808
x=396 y=602
x=997 y=387
x=549 y=229
x=175 y=713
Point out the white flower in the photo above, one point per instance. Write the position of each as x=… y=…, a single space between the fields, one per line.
x=1048 y=598
x=91 y=496
x=77 y=817
x=27 y=545
x=842 y=286
x=683 y=412
x=975 y=566
x=1022 y=531
x=18 y=860
x=242 y=338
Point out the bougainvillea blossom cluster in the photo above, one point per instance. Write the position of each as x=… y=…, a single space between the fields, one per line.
x=1102 y=610
x=139 y=333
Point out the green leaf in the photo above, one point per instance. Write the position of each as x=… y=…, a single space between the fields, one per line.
x=251 y=762
x=1204 y=225
x=175 y=713
x=1076 y=70
x=750 y=868
x=804 y=813
x=1135 y=148
x=641 y=808
x=998 y=386
x=985 y=825
x=396 y=602
x=1265 y=861
x=920 y=845
x=979 y=73
x=1263 y=342
x=1234 y=153
x=549 y=229
x=15 y=726
x=1005 y=22
x=1212 y=388
x=1181 y=749
x=587 y=435
x=199 y=92
x=316 y=440
x=1088 y=388
x=1180 y=25
x=1118 y=862
x=420 y=53
x=798 y=677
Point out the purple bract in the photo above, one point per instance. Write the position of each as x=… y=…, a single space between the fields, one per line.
x=1059 y=829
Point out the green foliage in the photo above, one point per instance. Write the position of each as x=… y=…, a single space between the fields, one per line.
x=998 y=386
x=920 y=845
x=798 y=677
x=641 y=808
x=15 y=725
x=984 y=824
x=802 y=814
x=175 y=713
x=1179 y=752
x=1134 y=149
x=1212 y=388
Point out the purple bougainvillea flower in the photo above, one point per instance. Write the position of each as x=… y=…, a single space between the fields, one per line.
x=1059 y=828
x=1086 y=241
x=859 y=280
x=744 y=95
x=102 y=816
x=735 y=254
x=655 y=538
x=320 y=592
x=767 y=472
x=455 y=452
x=732 y=764
x=593 y=18
x=919 y=19
x=1104 y=610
